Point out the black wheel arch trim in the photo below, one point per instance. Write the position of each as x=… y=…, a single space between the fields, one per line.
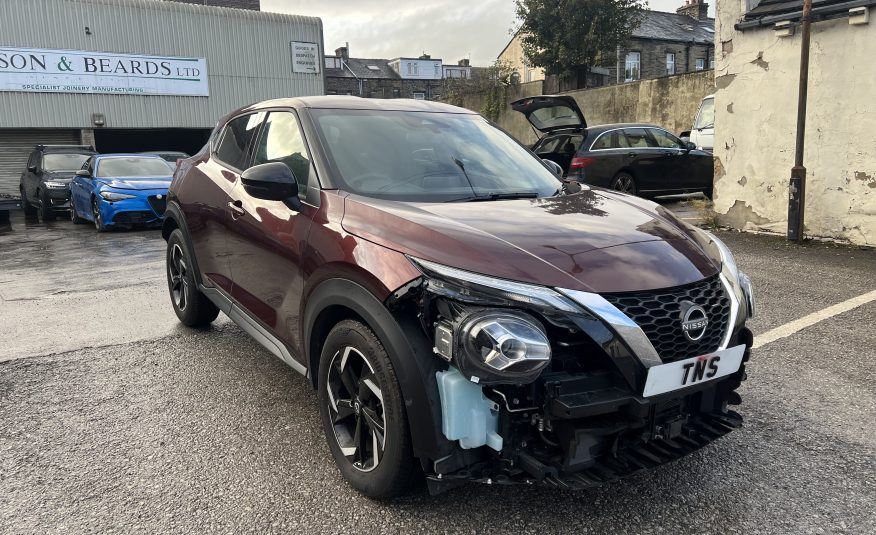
x=173 y=216
x=409 y=351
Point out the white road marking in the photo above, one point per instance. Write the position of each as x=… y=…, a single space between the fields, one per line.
x=792 y=327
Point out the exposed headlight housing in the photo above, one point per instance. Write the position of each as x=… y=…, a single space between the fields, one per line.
x=495 y=346
x=55 y=185
x=113 y=196
x=739 y=281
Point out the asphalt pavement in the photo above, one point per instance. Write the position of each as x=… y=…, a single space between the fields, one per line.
x=115 y=419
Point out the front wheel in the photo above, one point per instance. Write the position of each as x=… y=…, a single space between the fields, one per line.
x=363 y=413
x=192 y=307
x=624 y=183
x=28 y=208
x=46 y=213
x=98 y=218
x=74 y=215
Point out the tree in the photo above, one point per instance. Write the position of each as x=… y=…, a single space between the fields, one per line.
x=490 y=83
x=563 y=35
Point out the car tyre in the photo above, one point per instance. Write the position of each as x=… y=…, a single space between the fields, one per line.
x=98 y=219
x=28 y=208
x=74 y=215
x=192 y=307
x=358 y=395
x=624 y=183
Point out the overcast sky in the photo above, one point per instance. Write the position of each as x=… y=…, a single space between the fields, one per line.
x=446 y=29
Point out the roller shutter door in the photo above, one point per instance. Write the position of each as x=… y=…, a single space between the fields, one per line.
x=15 y=147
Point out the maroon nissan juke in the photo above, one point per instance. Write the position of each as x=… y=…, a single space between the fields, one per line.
x=464 y=313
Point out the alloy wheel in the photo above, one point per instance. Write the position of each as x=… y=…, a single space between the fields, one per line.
x=355 y=404
x=625 y=184
x=98 y=221
x=179 y=285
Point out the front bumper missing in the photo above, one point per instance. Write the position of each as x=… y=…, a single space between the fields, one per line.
x=587 y=429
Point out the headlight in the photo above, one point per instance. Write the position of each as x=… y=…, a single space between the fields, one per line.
x=113 y=196
x=740 y=281
x=495 y=346
x=54 y=185
x=469 y=287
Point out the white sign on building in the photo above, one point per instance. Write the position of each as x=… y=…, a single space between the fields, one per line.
x=77 y=71
x=305 y=57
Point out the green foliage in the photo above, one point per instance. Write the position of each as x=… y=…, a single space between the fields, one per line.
x=491 y=82
x=560 y=35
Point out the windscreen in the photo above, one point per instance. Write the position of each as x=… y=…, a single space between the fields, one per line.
x=554 y=117
x=429 y=157
x=706 y=116
x=64 y=161
x=133 y=167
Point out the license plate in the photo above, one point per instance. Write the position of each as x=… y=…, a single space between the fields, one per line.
x=693 y=371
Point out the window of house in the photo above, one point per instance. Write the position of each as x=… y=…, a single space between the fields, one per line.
x=419 y=95
x=701 y=64
x=281 y=141
x=396 y=93
x=670 y=63
x=515 y=77
x=632 y=68
x=236 y=139
x=413 y=69
x=528 y=75
x=437 y=71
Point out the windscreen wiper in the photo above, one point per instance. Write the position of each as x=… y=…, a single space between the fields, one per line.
x=499 y=196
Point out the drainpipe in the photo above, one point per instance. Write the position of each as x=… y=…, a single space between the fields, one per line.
x=618 y=70
x=797 y=185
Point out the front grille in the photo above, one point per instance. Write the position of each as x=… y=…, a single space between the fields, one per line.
x=133 y=218
x=658 y=313
x=158 y=205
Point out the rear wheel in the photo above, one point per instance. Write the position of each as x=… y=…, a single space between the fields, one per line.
x=192 y=307
x=363 y=413
x=28 y=208
x=624 y=183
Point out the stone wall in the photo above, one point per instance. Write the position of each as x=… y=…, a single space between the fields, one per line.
x=670 y=101
x=757 y=76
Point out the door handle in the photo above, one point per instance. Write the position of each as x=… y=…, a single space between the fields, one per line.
x=237 y=210
x=631 y=154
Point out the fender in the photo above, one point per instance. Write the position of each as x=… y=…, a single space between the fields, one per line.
x=173 y=215
x=409 y=351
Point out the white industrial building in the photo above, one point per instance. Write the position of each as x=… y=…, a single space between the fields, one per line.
x=136 y=75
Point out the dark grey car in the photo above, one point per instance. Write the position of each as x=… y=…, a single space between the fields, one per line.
x=637 y=158
x=45 y=182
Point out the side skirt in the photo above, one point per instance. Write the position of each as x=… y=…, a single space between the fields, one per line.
x=252 y=327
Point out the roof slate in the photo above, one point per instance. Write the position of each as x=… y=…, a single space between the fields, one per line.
x=675 y=27
x=360 y=67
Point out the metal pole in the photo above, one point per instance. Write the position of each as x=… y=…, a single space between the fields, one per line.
x=797 y=186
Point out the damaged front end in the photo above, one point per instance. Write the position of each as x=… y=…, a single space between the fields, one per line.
x=539 y=385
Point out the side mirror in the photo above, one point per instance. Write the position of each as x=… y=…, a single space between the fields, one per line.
x=83 y=173
x=31 y=168
x=554 y=166
x=272 y=181
x=689 y=145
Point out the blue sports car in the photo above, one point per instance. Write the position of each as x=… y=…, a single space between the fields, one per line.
x=120 y=191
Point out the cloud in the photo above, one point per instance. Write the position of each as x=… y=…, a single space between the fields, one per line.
x=445 y=29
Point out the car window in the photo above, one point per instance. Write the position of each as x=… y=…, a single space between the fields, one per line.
x=665 y=139
x=603 y=142
x=570 y=146
x=133 y=167
x=281 y=141
x=550 y=144
x=236 y=138
x=637 y=138
x=427 y=156
x=63 y=161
